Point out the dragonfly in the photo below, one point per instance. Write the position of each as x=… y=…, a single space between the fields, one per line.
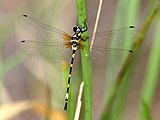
x=54 y=45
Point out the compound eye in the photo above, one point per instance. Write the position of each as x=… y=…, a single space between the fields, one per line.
x=74 y=28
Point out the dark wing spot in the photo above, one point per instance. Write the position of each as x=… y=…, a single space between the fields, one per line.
x=25 y=15
x=131 y=51
x=131 y=26
x=23 y=41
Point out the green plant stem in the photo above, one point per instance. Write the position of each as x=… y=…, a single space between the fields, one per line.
x=130 y=10
x=126 y=14
x=150 y=81
x=86 y=64
x=137 y=44
x=135 y=47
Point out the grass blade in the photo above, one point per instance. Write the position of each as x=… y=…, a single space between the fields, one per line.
x=150 y=81
x=86 y=64
x=135 y=47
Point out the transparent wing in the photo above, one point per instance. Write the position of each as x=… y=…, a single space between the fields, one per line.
x=114 y=38
x=109 y=56
x=46 y=50
x=106 y=56
x=114 y=32
x=110 y=47
x=41 y=30
x=49 y=43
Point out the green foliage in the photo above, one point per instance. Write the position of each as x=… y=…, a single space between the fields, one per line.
x=86 y=64
x=116 y=102
x=151 y=78
x=116 y=94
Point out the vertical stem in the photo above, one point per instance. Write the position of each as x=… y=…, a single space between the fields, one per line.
x=96 y=24
x=135 y=47
x=129 y=10
x=150 y=81
x=86 y=64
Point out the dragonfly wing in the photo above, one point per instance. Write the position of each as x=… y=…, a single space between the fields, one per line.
x=108 y=56
x=110 y=47
x=49 y=51
x=49 y=44
x=41 y=30
x=114 y=38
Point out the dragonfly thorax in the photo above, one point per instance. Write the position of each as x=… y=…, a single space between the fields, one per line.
x=74 y=44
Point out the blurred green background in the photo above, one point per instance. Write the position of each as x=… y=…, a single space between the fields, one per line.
x=24 y=78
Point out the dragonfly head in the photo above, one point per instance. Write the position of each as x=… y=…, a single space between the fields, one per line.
x=77 y=32
x=77 y=28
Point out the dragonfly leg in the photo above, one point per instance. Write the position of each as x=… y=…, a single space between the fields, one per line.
x=85 y=28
